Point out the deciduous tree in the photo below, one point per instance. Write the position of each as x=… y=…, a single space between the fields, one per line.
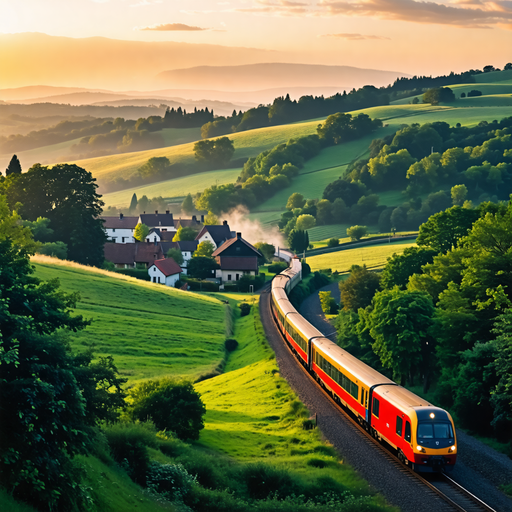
x=140 y=232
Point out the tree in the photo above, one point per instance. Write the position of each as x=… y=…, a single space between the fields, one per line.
x=187 y=205
x=346 y=190
x=55 y=249
x=211 y=219
x=305 y=222
x=204 y=250
x=438 y=95
x=296 y=200
x=298 y=240
x=65 y=194
x=358 y=290
x=172 y=405
x=202 y=268
x=459 y=194
x=40 y=228
x=400 y=322
x=155 y=166
x=12 y=227
x=444 y=230
x=357 y=232
x=333 y=242
x=133 y=203
x=140 y=232
x=268 y=250
x=185 y=234
x=400 y=267
x=327 y=302
x=217 y=152
x=176 y=255
x=43 y=413
x=474 y=92
x=14 y=166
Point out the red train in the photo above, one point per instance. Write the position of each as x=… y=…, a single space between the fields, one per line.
x=423 y=435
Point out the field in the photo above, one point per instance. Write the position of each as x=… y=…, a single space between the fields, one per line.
x=151 y=330
x=373 y=257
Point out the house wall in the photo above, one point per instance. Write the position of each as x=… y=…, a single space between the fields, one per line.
x=207 y=238
x=118 y=234
x=153 y=237
x=231 y=275
x=157 y=276
x=171 y=280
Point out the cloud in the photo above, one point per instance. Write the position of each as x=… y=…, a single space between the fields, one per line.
x=479 y=15
x=173 y=27
x=355 y=37
x=278 y=7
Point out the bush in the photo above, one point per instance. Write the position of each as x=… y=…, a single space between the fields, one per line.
x=333 y=242
x=128 y=443
x=262 y=481
x=171 y=404
x=474 y=92
x=231 y=344
x=170 y=481
x=245 y=308
x=201 y=286
x=278 y=267
x=138 y=273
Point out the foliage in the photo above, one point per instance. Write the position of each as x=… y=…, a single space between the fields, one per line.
x=56 y=249
x=217 y=152
x=298 y=240
x=65 y=194
x=140 y=232
x=204 y=250
x=170 y=481
x=277 y=267
x=358 y=290
x=133 y=203
x=232 y=344
x=13 y=228
x=459 y=194
x=296 y=200
x=328 y=303
x=305 y=222
x=185 y=233
x=187 y=205
x=357 y=232
x=438 y=95
x=245 y=308
x=156 y=166
x=268 y=250
x=211 y=219
x=43 y=411
x=14 y=166
x=176 y=255
x=171 y=404
x=340 y=127
x=333 y=242
x=201 y=267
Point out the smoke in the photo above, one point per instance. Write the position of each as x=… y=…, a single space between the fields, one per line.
x=252 y=230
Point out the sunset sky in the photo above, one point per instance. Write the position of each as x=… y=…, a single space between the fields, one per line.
x=400 y=35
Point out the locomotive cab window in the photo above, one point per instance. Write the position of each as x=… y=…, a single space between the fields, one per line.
x=399 y=424
x=375 y=410
x=407 y=435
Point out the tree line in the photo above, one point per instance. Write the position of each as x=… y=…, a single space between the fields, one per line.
x=440 y=313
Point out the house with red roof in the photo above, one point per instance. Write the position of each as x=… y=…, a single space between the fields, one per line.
x=165 y=271
x=236 y=258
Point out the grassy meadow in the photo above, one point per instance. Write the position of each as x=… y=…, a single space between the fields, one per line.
x=150 y=329
x=373 y=257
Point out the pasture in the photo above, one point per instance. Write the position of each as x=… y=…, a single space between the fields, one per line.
x=151 y=330
x=373 y=257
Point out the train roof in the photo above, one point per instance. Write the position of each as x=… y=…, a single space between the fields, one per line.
x=404 y=399
x=300 y=323
x=360 y=370
x=279 y=294
x=279 y=281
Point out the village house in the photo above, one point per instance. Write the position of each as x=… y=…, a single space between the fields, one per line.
x=217 y=235
x=236 y=258
x=120 y=229
x=131 y=255
x=165 y=271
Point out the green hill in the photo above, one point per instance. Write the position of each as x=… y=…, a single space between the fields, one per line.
x=151 y=330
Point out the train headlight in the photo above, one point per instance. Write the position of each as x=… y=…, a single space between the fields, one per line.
x=452 y=448
x=420 y=449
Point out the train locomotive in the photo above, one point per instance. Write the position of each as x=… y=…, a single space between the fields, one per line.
x=423 y=435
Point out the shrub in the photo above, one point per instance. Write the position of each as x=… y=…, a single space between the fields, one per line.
x=171 y=404
x=262 y=481
x=245 y=308
x=333 y=242
x=231 y=344
x=128 y=443
x=171 y=481
x=275 y=268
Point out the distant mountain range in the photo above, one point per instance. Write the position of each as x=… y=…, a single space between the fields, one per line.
x=271 y=75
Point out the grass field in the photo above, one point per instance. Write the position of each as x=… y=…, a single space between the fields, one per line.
x=151 y=330
x=268 y=428
x=173 y=189
x=320 y=243
x=373 y=257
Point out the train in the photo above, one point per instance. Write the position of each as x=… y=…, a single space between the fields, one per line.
x=422 y=434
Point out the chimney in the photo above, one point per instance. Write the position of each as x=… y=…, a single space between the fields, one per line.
x=156 y=212
x=202 y=219
x=167 y=212
x=225 y=223
x=239 y=235
x=120 y=216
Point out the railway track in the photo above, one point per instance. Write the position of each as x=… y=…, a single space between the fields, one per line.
x=451 y=495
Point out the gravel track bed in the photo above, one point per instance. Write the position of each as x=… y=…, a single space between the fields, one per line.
x=479 y=468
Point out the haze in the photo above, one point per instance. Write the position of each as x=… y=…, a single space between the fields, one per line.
x=125 y=44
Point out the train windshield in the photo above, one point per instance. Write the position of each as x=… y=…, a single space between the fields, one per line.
x=435 y=431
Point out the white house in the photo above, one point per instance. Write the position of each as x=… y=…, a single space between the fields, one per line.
x=165 y=271
x=162 y=221
x=120 y=229
x=217 y=235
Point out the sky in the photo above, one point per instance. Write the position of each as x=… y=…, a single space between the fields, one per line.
x=429 y=37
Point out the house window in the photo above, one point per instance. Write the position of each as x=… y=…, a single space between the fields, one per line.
x=122 y=239
x=154 y=279
x=158 y=278
x=237 y=277
x=229 y=277
x=113 y=230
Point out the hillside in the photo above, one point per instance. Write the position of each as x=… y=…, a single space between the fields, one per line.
x=146 y=327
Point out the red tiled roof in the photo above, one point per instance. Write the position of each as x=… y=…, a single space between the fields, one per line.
x=232 y=263
x=117 y=223
x=120 y=254
x=147 y=252
x=167 y=266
